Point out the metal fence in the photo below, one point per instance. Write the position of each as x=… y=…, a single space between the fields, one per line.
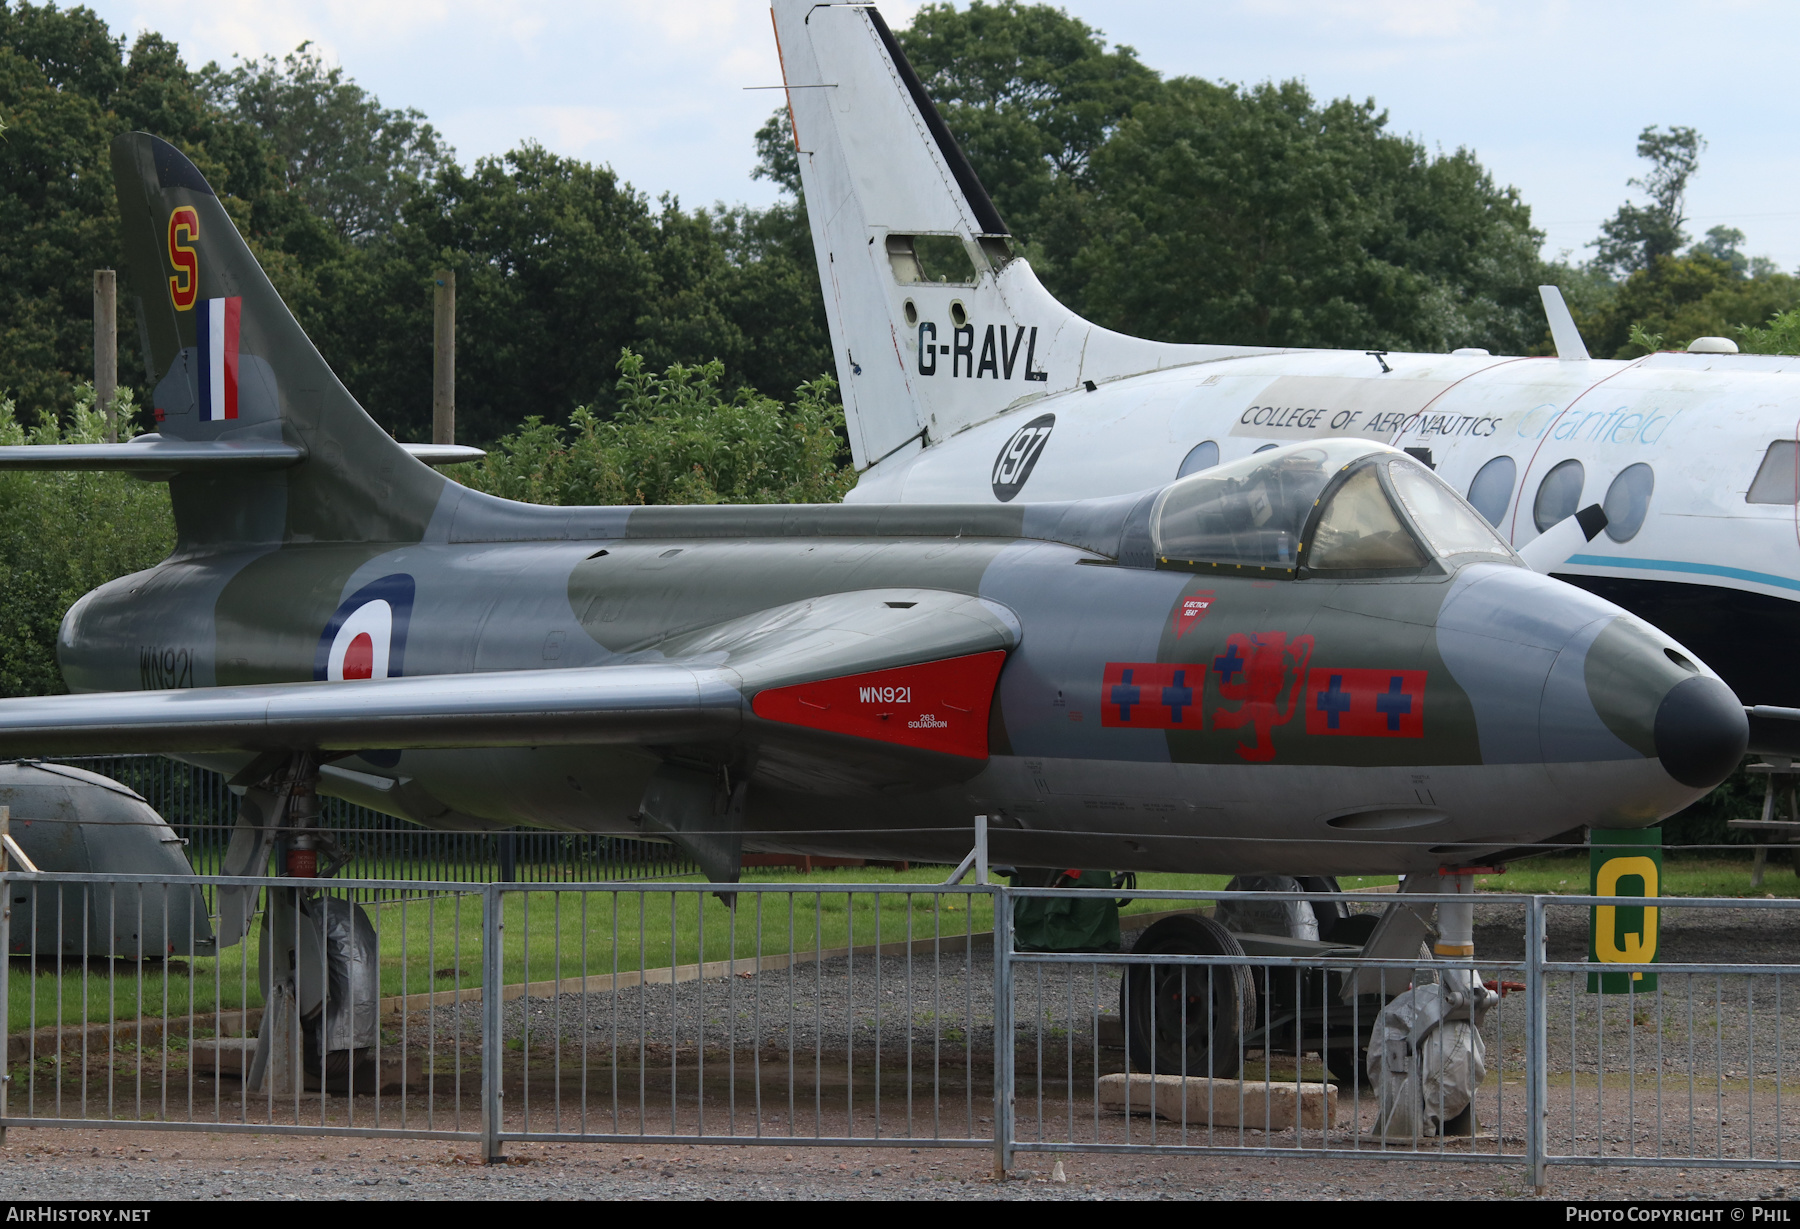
x=201 y=807
x=902 y=1015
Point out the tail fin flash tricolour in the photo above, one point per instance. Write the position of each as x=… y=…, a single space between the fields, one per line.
x=935 y=322
x=239 y=388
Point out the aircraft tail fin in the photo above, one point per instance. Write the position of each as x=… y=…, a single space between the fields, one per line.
x=936 y=322
x=233 y=369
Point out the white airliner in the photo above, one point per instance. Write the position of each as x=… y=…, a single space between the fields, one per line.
x=964 y=379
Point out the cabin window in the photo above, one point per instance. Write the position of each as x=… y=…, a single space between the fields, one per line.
x=1359 y=530
x=930 y=258
x=1248 y=514
x=1199 y=457
x=1627 y=501
x=1449 y=525
x=1559 y=494
x=1492 y=489
x=1778 y=480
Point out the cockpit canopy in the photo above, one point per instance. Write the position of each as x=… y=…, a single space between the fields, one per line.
x=1332 y=506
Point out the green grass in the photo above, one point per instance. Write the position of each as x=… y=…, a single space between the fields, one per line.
x=1683 y=875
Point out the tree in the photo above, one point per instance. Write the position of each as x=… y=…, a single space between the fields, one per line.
x=677 y=439
x=1636 y=235
x=67 y=89
x=62 y=534
x=1031 y=94
x=1257 y=216
x=1724 y=244
x=777 y=160
x=349 y=160
x=560 y=265
x=1678 y=298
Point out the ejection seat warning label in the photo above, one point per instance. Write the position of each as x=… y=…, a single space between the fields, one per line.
x=1626 y=863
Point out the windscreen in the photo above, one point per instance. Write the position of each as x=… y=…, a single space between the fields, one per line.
x=1359 y=530
x=1249 y=513
x=1446 y=521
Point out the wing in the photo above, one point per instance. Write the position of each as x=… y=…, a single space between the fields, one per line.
x=513 y=708
x=853 y=678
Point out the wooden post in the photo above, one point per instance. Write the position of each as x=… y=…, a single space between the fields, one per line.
x=106 y=347
x=443 y=376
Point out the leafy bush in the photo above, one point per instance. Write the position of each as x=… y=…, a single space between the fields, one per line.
x=62 y=534
x=1781 y=335
x=676 y=439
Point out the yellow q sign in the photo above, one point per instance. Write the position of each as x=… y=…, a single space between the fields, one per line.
x=1632 y=947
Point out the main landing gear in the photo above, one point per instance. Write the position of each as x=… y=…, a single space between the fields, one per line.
x=1418 y=1047
x=318 y=959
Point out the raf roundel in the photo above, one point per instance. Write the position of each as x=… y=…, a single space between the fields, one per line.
x=366 y=637
x=363 y=646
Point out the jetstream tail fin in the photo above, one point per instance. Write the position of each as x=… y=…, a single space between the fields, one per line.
x=936 y=323
x=234 y=372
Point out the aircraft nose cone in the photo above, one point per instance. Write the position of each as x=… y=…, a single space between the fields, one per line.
x=1701 y=732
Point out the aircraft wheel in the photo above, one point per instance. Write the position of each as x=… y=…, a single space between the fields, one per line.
x=1187 y=1019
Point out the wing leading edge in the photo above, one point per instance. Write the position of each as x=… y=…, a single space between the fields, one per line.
x=160 y=456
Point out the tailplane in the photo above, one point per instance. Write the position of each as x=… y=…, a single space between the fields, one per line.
x=937 y=324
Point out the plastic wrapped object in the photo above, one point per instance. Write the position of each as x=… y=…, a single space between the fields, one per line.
x=1426 y=1056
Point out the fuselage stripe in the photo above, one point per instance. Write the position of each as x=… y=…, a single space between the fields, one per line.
x=1676 y=565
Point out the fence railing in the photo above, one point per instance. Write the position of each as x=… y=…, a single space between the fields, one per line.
x=896 y=1015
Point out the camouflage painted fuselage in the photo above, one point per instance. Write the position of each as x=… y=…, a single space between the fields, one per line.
x=1148 y=718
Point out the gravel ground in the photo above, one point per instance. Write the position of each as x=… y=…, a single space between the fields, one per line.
x=839 y=1006
x=142 y=1166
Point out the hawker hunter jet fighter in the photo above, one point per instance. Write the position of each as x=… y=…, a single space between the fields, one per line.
x=1314 y=659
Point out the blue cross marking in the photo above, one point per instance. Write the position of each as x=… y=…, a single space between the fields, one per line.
x=1125 y=695
x=1178 y=696
x=1334 y=702
x=1393 y=702
x=1229 y=664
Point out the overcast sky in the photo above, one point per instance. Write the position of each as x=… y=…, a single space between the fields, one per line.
x=1550 y=95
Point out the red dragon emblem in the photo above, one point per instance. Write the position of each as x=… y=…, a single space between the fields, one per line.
x=1256 y=670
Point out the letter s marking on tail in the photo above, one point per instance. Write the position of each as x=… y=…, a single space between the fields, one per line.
x=184 y=285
